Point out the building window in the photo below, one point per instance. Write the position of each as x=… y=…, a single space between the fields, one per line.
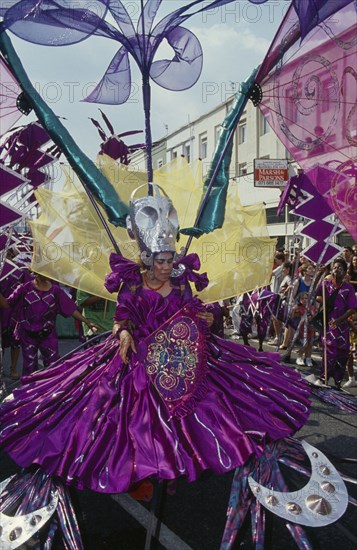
x=264 y=126
x=160 y=163
x=242 y=132
x=173 y=155
x=217 y=133
x=242 y=169
x=203 y=145
x=187 y=152
x=273 y=217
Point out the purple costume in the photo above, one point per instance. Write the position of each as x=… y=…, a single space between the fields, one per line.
x=186 y=402
x=36 y=312
x=337 y=339
x=11 y=277
x=246 y=315
x=265 y=304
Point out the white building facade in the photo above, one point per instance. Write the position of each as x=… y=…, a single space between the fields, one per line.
x=253 y=139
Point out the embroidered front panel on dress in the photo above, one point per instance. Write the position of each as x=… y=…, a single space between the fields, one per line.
x=175 y=360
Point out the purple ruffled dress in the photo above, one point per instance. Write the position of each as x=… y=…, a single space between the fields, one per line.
x=187 y=402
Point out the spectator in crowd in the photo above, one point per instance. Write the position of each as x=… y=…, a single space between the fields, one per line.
x=340 y=304
x=304 y=281
x=303 y=261
x=284 y=290
x=347 y=254
x=277 y=273
x=301 y=284
x=352 y=272
x=276 y=280
x=301 y=317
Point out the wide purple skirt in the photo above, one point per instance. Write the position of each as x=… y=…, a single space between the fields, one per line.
x=99 y=424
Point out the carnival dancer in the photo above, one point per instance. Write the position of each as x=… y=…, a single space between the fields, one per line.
x=266 y=304
x=340 y=304
x=12 y=275
x=36 y=305
x=162 y=396
x=351 y=382
x=242 y=316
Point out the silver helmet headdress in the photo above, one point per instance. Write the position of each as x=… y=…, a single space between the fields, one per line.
x=153 y=223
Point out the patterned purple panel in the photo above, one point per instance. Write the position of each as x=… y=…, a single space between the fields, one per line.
x=8 y=216
x=9 y=179
x=309 y=91
x=9 y=92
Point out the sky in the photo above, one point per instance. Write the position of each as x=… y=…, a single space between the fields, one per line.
x=234 y=39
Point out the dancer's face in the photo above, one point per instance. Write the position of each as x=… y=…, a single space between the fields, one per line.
x=163 y=265
x=338 y=271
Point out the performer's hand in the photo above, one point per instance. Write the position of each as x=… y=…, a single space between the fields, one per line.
x=126 y=343
x=334 y=323
x=206 y=316
x=115 y=329
x=93 y=327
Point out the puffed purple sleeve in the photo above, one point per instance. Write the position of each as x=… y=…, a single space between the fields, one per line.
x=16 y=296
x=66 y=306
x=123 y=270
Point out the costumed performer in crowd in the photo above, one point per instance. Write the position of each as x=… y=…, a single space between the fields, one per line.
x=161 y=396
x=340 y=304
x=12 y=275
x=36 y=305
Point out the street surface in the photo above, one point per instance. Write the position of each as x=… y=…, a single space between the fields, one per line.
x=194 y=517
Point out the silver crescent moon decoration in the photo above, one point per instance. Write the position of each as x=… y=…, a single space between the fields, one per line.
x=321 y=501
x=16 y=530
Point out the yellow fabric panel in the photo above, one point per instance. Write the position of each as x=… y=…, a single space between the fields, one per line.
x=72 y=247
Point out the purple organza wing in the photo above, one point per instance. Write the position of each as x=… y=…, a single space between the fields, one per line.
x=184 y=69
x=57 y=23
x=177 y=17
x=122 y=17
x=114 y=88
x=147 y=16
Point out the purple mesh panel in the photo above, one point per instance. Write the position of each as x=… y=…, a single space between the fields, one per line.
x=8 y=215
x=309 y=92
x=9 y=92
x=309 y=96
x=9 y=179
